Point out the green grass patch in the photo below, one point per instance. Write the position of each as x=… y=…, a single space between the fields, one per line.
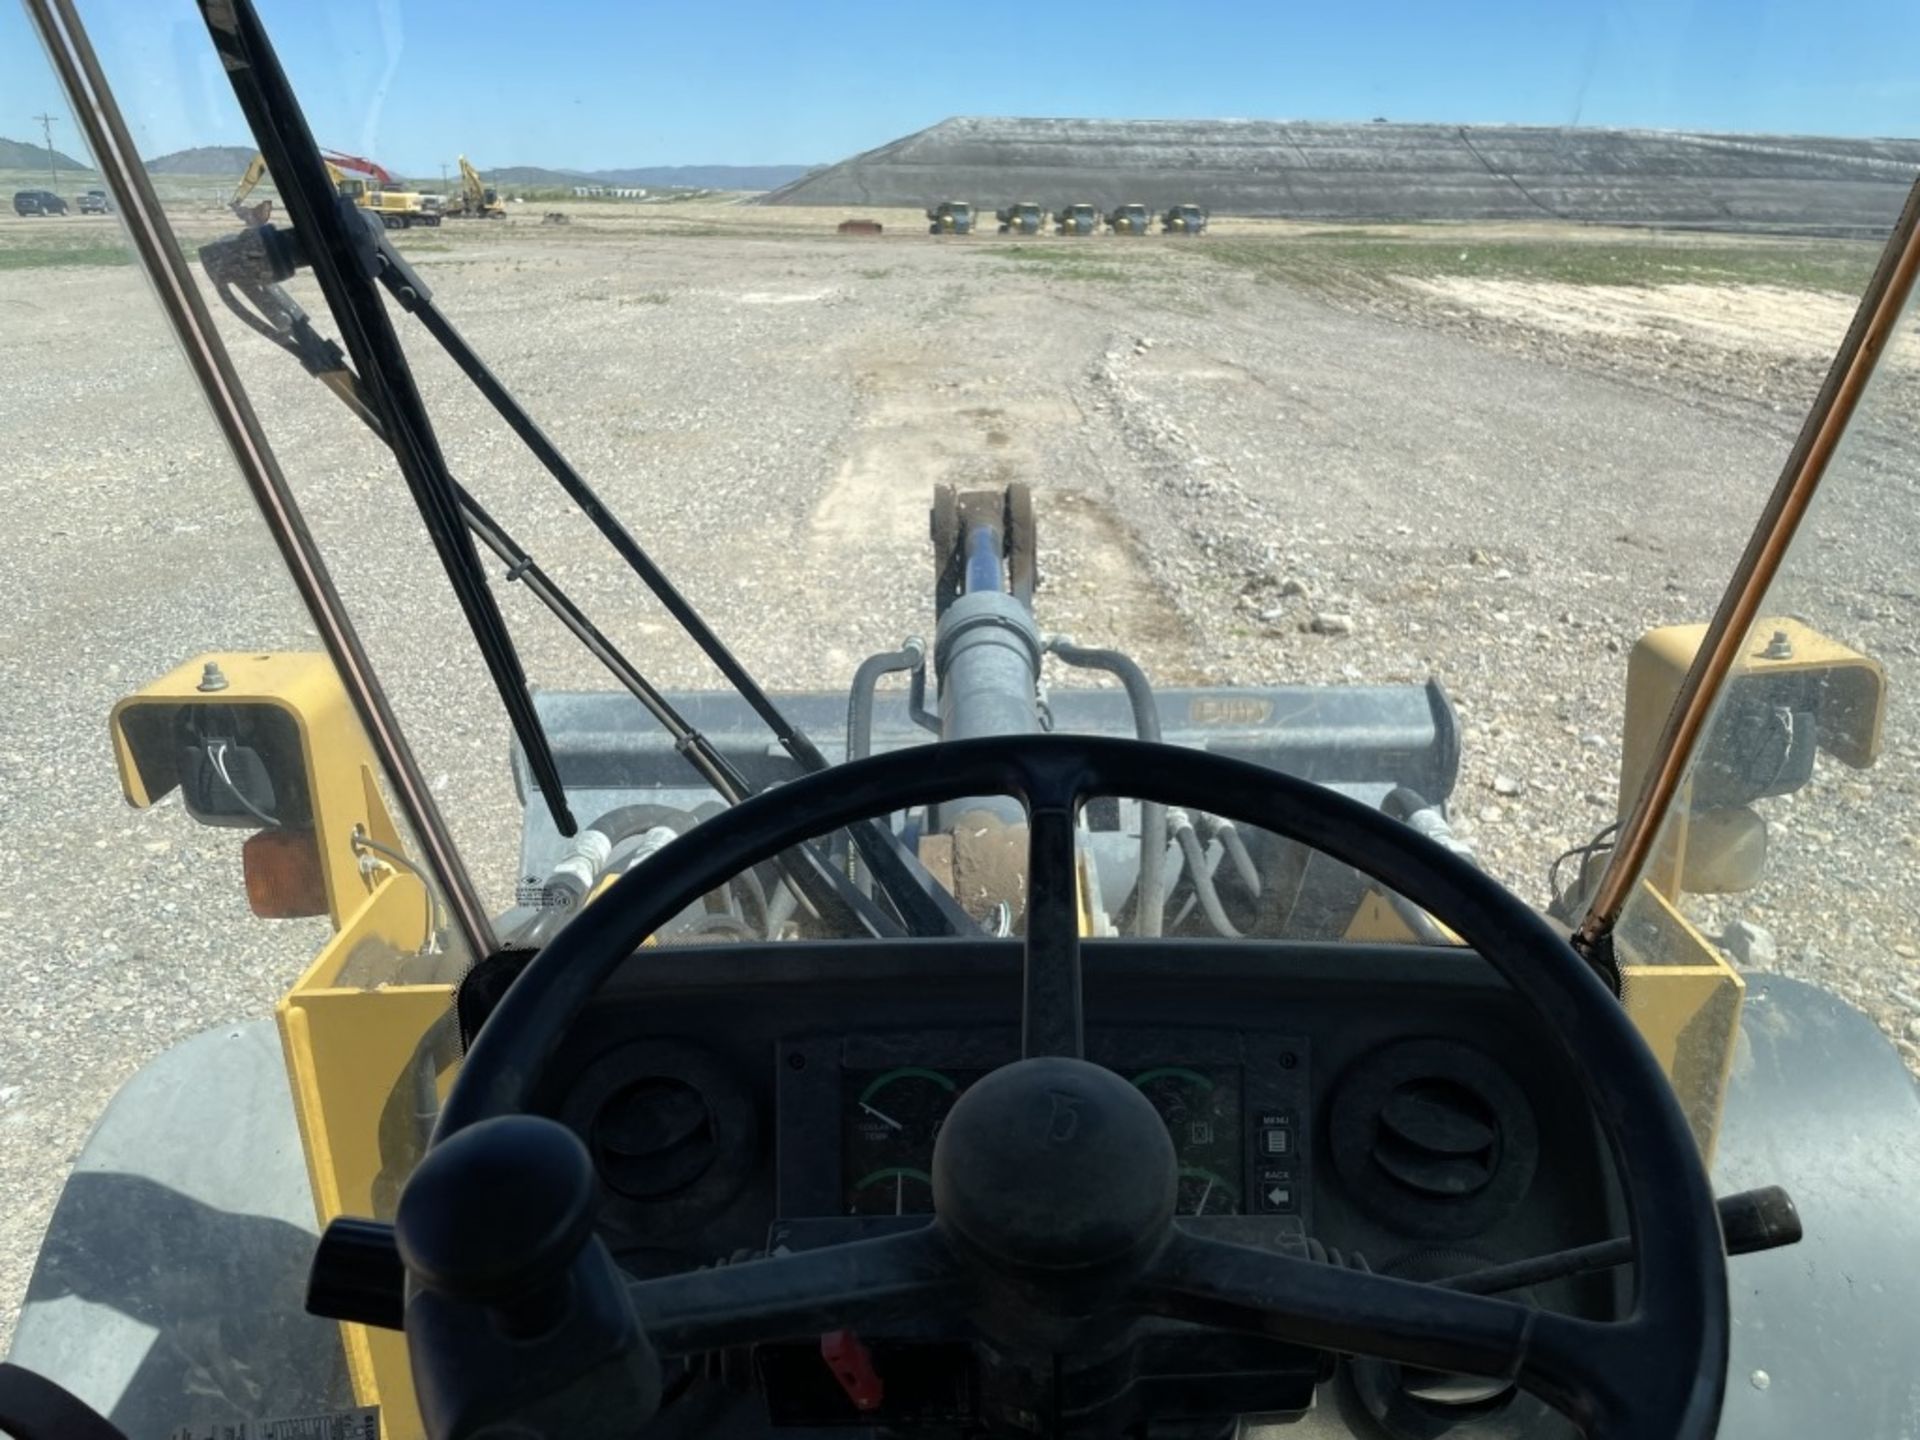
x=37 y=257
x=1066 y=262
x=1346 y=258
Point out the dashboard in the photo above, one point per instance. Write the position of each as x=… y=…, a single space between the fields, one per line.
x=1394 y=1101
x=1231 y=1109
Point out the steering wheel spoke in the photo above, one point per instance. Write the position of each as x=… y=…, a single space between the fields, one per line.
x=1354 y=1312
x=1052 y=1015
x=866 y=1284
x=1579 y=1366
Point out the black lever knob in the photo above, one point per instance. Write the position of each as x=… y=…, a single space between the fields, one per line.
x=1760 y=1219
x=357 y=1274
x=497 y=1213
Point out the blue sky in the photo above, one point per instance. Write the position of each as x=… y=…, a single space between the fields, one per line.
x=599 y=83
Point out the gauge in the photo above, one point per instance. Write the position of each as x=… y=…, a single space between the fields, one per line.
x=890 y=1121
x=1202 y=1115
x=891 y=1190
x=1206 y=1192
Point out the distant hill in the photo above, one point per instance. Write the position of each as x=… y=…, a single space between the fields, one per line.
x=665 y=177
x=232 y=159
x=202 y=160
x=708 y=177
x=1331 y=170
x=19 y=155
x=536 y=175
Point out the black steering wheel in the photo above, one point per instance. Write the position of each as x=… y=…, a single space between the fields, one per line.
x=1053 y=1179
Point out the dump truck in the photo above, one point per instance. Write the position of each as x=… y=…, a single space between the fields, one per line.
x=1023 y=217
x=1131 y=218
x=1183 y=220
x=1076 y=218
x=950 y=217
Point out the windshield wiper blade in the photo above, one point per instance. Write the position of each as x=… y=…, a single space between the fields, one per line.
x=339 y=247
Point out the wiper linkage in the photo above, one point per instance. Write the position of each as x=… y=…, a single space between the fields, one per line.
x=339 y=249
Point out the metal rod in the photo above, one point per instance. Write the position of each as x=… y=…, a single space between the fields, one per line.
x=1873 y=323
x=794 y=740
x=100 y=120
x=922 y=903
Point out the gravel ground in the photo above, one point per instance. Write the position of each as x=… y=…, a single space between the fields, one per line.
x=1220 y=461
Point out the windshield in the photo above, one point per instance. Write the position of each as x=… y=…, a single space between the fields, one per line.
x=1406 y=445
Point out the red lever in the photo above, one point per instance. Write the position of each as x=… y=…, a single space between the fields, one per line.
x=852 y=1366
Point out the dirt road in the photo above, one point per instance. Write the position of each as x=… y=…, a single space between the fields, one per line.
x=1218 y=457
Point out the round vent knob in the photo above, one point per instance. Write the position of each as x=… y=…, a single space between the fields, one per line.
x=673 y=1133
x=1438 y=1137
x=1433 y=1138
x=654 y=1137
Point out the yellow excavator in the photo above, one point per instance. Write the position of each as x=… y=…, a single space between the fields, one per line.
x=397 y=207
x=477 y=200
x=260 y=212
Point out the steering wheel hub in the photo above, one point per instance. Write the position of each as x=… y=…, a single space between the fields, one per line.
x=1055 y=1164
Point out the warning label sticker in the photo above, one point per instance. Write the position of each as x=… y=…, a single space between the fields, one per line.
x=359 y=1423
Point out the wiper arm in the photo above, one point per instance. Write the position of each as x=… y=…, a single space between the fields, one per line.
x=340 y=249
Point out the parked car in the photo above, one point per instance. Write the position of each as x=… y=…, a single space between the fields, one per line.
x=93 y=202
x=38 y=202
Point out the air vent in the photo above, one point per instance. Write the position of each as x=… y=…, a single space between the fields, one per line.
x=1438 y=1137
x=654 y=1137
x=673 y=1133
x=1433 y=1138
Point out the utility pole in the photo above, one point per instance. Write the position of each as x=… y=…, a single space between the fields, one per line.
x=443 y=174
x=46 y=129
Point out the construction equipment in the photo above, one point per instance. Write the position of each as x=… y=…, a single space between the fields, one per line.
x=476 y=200
x=1118 y=1060
x=1131 y=218
x=1078 y=218
x=950 y=217
x=1023 y=217
x=398 y=209
x=261 y=211
x=1183 y=220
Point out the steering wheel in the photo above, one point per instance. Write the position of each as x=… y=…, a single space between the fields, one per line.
x=1053 y=1179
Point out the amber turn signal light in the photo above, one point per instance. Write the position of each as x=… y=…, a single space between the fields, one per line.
x=283 y=873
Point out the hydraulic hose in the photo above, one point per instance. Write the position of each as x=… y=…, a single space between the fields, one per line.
x=1414 y=809
x=576 y=872
x=1150 y=895
x=1228 y=834
x=911 y=656
x=1201 y=878
x=1423 y=815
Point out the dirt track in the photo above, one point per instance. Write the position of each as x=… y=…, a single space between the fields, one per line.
x=1490 y=484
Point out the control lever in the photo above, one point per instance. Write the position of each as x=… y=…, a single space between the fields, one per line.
x=495 y=1229
x=1750 y=1220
